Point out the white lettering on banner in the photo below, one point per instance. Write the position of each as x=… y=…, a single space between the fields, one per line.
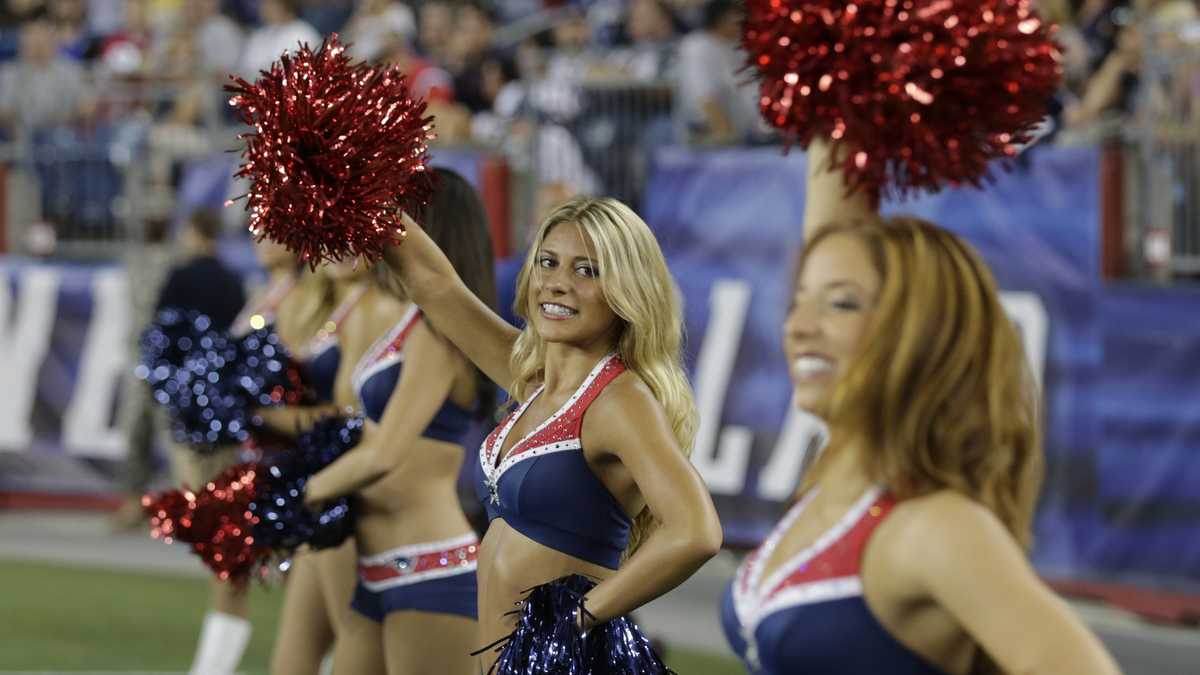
x=722 y=464
x=803 y=437
x=24 y=339
x=1028 y=312
x=86 y=423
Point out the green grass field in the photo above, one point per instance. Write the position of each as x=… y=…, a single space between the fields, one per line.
x=64 y=618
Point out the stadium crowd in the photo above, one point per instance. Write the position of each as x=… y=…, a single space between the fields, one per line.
x=101 y=82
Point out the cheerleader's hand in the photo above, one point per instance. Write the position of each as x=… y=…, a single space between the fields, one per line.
x=312 y=493
x=583 y=618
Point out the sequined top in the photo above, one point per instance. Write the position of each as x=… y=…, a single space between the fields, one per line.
x=809 y=615
x=324 y=356
x=378 y=371
x=544 y=487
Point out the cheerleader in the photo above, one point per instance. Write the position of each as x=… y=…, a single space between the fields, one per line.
x=415 y=604
x=321 y=584
x=588 y=475
x=905 y=551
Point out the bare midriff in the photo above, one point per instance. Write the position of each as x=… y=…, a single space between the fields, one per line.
x=415 y=504
x=509 y=565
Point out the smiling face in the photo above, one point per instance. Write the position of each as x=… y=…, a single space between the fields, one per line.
x=831 y=308
x=566 y=301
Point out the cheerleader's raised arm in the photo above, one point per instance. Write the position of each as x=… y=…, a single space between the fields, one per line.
x=452 y=309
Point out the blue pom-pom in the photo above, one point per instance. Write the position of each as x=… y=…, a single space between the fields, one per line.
x=265 y=371
x=210 y=381
x=284 y=522
x=619 y=647
x=188 y=366
x=547 y=639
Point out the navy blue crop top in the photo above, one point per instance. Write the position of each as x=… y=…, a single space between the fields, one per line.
x=322 y=367
x=545 y=489
x=809 y=615
x=378 y=371
x=324 y=357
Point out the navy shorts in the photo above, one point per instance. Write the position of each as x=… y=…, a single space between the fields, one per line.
x=436 y=577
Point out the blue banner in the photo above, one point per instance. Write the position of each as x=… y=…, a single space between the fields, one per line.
x=63 y=355
x=1118 y=362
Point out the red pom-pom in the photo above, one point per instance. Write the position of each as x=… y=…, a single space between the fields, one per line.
x=338 y=148
x=920 y=93
x=215 y=521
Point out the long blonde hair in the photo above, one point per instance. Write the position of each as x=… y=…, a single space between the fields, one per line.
x=940 y=393
x=638 y=287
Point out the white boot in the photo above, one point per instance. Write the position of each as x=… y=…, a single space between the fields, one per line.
x=222 y=642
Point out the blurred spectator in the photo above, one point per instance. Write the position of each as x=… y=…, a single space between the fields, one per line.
x=651 y=29
x=716 y=103
x=197 y=55
x=470 y=47
x=41 y=89
x=435 y=30
x=505 y=94
x=283 y=30
x=195 y=60
x=69 y=18
x=202 y=41
x=375 y=25
x=514 y=127
x=1111 y=87
x=497 y=75
x=197 y=281
x=555 y=93
x=200 y=281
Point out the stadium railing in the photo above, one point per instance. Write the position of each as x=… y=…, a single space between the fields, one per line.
x=89 y=189
x=1164 y=157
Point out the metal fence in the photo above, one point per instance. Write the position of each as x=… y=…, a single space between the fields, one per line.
x=581 y=125
x=1165 y=177
x=90 y=189
x=585 y=126
x=66 y=196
